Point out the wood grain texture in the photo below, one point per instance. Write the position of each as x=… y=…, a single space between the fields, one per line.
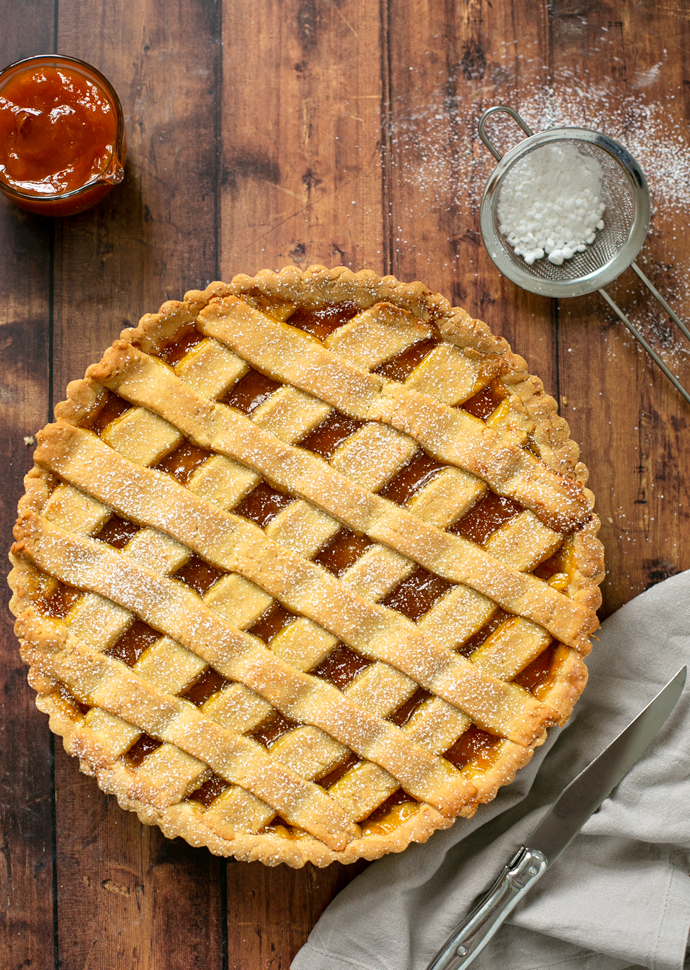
x=447 y=63
x=301 y=182
x=121 y=883
x=301 y=176
x=639 y=450
x=291 y=132
x=271 y=911
x=27 y=823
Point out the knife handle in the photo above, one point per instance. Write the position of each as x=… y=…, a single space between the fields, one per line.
x=471 y=935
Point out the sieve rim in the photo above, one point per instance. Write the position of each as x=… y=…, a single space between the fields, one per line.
x=498 y=247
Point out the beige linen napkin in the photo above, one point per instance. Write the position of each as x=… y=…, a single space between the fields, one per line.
x=620 y=894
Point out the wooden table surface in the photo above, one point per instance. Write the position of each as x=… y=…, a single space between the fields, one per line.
x=342 y=132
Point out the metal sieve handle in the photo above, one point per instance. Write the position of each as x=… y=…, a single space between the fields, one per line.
x=506 y=109
x=638 y=336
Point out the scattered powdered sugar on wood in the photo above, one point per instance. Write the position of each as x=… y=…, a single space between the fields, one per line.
x=437 y=151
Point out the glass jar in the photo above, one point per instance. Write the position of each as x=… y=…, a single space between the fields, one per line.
x=81 y=137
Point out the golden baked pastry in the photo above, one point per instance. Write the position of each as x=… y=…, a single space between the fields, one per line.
x=306 y=566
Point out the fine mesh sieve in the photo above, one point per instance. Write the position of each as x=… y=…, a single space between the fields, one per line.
x=626 y=220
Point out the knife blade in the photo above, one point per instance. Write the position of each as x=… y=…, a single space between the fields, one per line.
x=576 y=803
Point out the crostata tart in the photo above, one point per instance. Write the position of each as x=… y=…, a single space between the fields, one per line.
x=306 y=567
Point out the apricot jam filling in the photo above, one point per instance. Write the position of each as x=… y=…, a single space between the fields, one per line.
x=271 y=622
x=337 y=773
x=477 y=639
x=538 y=676
x=330 y=434
x=473 y=747
x=416 y=594
x=199 y=575
x=400 y=367
x=184 y=341
x=117 y=532
x=140 y=750
x=274 y=727
x=320 y=321
x=341 y=666
x=58 y=600
x=250 y=391
x=390 y=814
x=342 y=551
x=405 y=713
x=112 y=406
x=131 y=645
x=485 y=517
x=208 y=683
x=207 y=793
x=484 y=403
x=412 y=478
x=58 y=131
x=263 y=504
x=183 y=461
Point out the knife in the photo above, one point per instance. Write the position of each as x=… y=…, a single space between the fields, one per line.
x=555 y=832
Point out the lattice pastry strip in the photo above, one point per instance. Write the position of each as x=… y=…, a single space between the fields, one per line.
x=390 y=786
x=167 y=606
x=449 y=435
x=239 y=546
x=136 y=376
x=97 y=680
x=403 y=333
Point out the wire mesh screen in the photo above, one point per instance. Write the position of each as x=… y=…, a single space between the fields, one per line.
x=616 y=193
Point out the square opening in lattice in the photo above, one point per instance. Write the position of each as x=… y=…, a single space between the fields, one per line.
x=400 y=367
x=342 y=551
x=133 y=642
x=199 y=575
x=208 y=683
x=341 y=666
x=183 y=461
x=323 y=320
x=412 y=478
x=330 y=434
x=263 y=504
x=484 y=518
x=417 y=593
x=117 y=532
x=113 y=406
x=250 y=391
x=484 y=402
x=185 y=340
x=271 y=622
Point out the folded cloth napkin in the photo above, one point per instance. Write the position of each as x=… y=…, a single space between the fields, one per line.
x=618 y=897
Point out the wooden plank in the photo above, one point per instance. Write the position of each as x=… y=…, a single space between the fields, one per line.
x=447 y=64
x=154 y=236
x=26 y=759
x=128 y=897
x=631 y=421
x=302 y=183
x=272 y=911
x=300 y=135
